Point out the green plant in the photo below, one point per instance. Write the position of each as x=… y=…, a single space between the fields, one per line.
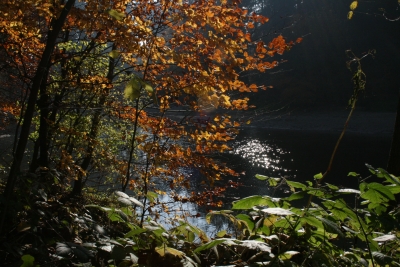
x=114 y=236
x=332 y=232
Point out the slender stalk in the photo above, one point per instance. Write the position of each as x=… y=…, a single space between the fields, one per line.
x=328 y=169
x=366 y=239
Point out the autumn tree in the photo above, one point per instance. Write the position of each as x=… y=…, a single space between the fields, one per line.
x=114 y=88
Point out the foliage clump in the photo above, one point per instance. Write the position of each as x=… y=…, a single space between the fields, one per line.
x=330 y=231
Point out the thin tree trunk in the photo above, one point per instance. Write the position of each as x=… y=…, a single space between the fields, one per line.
x=78 y=183
x=394 y=157
x=43 y=127
x=30 y=109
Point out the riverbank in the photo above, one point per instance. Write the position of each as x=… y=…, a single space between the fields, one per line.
x=361 y=122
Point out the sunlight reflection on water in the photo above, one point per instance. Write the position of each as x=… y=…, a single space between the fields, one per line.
x=261 y=154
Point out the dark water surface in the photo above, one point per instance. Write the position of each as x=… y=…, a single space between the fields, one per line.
x=299 y=155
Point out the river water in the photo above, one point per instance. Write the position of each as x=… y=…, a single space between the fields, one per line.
x=297 y=155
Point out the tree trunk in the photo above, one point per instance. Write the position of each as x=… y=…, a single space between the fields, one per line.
x=394 y=156
x=30 y=109
x=78 y=183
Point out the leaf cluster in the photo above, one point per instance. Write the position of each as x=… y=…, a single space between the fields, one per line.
x=330 y=232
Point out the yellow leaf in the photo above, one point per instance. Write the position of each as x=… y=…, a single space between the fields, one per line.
x=148 y=88
x=204 y=73
x=115 y=14
x=132 y=89
x=353 y=5
x=350 y=15
x=162 y=251
x=114 y=54
x=248 y=122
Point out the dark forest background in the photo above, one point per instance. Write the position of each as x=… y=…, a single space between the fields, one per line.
x=314 y=74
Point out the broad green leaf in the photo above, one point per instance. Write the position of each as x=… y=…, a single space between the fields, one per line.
x=250 y=202
x=273 y=181
x=261 y=177
x=318 y=176
x=117 y=215
x=225 y=213
x=377 y=207
x=295 y=196
x=185 y=227
x=370 y=168
x=340 y=210
x=114 y=54
x=363 y=187
x=331 y=226
x=28 y=260
x=116 y=14
x=377 y=193
x=152 y=196
x=382 y=173
x=287 y=255
x=148 y=88
x=134 y=232
x=296 y=185
x=319 y=192
x=333 y=187
x=395 y=189
x=221 y=233
x=190 y=236
x=282 y=224
x=311 y=220
x=278 y=211
x=264 y=229
x=162 y=251
x=132 y=89
x=212 y=244
x=247 y=220
x=353 y=174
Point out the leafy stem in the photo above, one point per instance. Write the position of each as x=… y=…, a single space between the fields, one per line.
x=359 y=81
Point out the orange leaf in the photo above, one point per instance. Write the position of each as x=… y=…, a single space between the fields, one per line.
x=248 y=37
x=209 y=14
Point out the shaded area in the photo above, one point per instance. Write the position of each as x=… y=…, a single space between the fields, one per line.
x=315 y=73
